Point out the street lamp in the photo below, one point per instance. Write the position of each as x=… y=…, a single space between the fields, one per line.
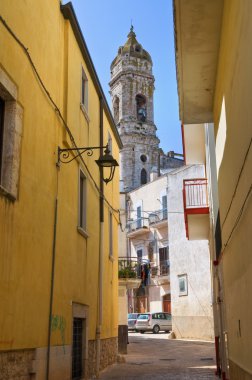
x=105 y=161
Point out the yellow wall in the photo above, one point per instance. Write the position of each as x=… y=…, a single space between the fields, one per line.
x=26 y=228
x=233 y=121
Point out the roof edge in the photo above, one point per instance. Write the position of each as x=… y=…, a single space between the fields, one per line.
x=69 y=14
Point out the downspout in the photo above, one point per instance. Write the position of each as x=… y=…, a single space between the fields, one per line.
x=101 y=254
x=52 y=284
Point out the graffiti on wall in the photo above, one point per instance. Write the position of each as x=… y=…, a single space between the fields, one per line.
x=58 y=323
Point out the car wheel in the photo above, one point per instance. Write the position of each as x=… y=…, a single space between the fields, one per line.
x=156 y=329
x=142 y=332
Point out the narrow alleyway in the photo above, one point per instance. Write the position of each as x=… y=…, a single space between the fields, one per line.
x=156 y=357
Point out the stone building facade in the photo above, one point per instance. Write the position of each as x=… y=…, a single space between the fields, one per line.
x=132 y=89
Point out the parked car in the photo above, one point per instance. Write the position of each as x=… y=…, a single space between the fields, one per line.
x=154 y=322
x=132 y=318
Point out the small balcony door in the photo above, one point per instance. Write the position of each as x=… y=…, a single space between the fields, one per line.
x=167 y=303
x=78 y=349
x=163 y=261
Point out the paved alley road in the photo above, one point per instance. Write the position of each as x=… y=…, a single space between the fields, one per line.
x=156 y=357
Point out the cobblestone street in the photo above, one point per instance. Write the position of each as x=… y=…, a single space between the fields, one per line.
x=157 y=357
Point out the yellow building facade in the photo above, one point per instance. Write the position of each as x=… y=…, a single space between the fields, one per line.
x=214 y=61
x=59 y=221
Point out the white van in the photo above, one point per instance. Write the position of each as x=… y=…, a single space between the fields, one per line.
x=154 y=322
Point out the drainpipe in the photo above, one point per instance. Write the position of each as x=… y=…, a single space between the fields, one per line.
x=52 y=285
x=101 y=254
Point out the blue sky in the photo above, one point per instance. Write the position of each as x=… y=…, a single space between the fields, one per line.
x=105 y=25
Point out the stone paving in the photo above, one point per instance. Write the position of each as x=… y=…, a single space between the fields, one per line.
x=157 y=357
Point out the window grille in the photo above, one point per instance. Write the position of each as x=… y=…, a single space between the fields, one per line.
x=77 y=349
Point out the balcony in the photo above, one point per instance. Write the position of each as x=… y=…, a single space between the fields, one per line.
x=158 y=218
x=160 y=274
x=129 y=272
x=138 y=227
x=133 y=272
x=196 y=208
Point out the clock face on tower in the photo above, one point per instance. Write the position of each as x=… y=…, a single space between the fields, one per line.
x=141 y=114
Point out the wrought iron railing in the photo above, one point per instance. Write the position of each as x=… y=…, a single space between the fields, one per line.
x=161 y=270
x=195 y=193
x=139 y=269
x=137 y=224
x=129 y=268
x=158 y=216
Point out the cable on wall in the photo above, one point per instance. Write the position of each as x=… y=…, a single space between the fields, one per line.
x=57 y=110
x=238 y=218
x=237 y=183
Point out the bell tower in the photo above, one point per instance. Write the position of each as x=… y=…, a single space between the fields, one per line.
x=131 y=89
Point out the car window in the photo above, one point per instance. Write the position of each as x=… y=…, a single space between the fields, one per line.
x=132 y=316
x=168 y=316
x=154 y=316
x=143 y=316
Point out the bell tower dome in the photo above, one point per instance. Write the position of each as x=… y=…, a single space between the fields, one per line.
x=131 y=89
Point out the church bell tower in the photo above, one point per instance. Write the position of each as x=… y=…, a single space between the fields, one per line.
x=132 y=88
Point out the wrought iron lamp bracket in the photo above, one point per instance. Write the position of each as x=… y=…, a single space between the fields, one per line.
x=105 y=161
x=64 y=156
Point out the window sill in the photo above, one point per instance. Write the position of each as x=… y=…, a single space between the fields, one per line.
x=7 y=194
x=84 y=111
x=82 y=232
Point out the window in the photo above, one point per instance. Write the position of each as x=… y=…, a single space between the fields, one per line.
x=110 y=143
x=82 y=201
x=138 y=48
x=11 y=124
x=164 y=260
x=110 y=234
x=116 y=103
x=139 y=254
x=141 y=108
x=79 y=340
x=139 y=217
x=182 y=282
x=143 y=177
x=77 y=366
x=84 y=90
x=164 y=206
x=1 y=132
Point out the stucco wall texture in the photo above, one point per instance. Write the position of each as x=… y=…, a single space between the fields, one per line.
x=192 y=313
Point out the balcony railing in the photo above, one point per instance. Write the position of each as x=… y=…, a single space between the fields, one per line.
x=158 y=216
x=161 y=270
x=195 y=197
x=139 y=269
x=137 y=224
x=195 y=193
x=129 y=268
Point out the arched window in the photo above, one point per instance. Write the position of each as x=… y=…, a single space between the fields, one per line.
x=116 y=109
x=143 y=176
x=141 y=108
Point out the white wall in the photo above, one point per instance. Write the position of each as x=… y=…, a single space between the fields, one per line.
x=192 y=313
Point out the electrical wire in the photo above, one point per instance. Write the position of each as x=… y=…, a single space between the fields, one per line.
x=57 y=110
x=238 y=217
x=237 y=183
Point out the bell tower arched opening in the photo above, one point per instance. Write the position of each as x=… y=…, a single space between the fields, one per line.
x=143 y=176
x=116 y=104
x=141 y=108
